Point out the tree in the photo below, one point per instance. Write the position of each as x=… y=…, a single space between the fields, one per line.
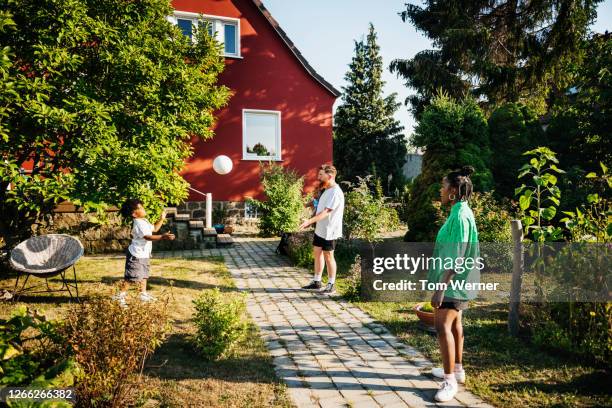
x=453 y=134
x=579 y=129
x=514 y=128
x=99 y=99
x=504 y=51
x=367 y=138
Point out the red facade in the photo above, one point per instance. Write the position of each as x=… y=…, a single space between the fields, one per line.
x=270 y=74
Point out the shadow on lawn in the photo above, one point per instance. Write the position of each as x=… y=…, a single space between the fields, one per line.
x=177 y=359
x=156 y=282
x=594 y=384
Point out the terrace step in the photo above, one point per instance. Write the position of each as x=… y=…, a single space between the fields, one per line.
x=209 y=232
x=224 y=240
x=171 y=211
x=196 y=224
x=182 y=217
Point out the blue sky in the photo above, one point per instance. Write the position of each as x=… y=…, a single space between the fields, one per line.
x=324 y=31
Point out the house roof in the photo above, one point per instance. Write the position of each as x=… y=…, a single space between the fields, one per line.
x=294 y=49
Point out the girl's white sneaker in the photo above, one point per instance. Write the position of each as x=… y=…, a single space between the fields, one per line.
x=447 y=391
x=439 y=373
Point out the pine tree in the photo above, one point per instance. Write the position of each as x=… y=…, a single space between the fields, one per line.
x=367 y=138
x=502 y=51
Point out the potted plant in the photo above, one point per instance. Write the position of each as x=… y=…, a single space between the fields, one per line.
x=425 y=313
x=219 y=215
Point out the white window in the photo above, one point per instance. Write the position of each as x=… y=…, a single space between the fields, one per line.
x=261 y=134
x=226 y=30
x=250 y=210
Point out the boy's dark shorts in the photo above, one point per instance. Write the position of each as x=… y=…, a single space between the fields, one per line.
x=136 y=269
x=325 y=244
x=450 y=303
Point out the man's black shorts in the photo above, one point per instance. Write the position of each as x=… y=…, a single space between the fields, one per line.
x=325 y=244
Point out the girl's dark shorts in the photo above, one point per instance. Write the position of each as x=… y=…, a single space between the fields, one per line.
x=136 y=269
x=450 y=303
x=325 y=244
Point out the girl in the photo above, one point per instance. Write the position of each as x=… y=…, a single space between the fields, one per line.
x=457 y=240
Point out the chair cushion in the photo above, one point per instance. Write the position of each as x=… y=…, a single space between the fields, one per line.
x=46 y=254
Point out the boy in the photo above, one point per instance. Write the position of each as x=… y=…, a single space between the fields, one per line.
x=138 y=253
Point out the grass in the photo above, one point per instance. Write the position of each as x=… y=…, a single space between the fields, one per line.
x=175 y=376
x=503 y=370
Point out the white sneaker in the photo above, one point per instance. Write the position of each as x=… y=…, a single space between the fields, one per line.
x=447 y=391
x=439 y=373
x=329 y=289
x=145 y=297
x=120 y=298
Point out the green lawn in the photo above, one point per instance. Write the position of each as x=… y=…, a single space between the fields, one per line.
x=175 y=376
x=505 y=371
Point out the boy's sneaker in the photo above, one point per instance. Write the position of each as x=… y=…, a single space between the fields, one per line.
x=145 y=297
x=120 y=298
x=330 y=289
x=312 y=285
x=447 y=391
x=439 y=373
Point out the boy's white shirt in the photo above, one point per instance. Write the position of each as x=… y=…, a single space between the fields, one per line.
x=140 y=247
x=330 y=227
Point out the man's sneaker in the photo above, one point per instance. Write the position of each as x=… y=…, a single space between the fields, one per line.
x=447 y=391
x=330 y=289
x=120 y=298
x=145 y=297
x=439 y=373
x=313 y=285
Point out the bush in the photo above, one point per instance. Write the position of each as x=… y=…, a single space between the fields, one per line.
x=281 y=210
x=352 y=292
x=30 y=352
x=110 y=344
x=493 y=223
x=300 y=249
x=404 y=199
x=579 y=328
x=366 y=214
x=219 y=322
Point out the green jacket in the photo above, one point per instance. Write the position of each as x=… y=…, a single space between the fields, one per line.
x=456 y=243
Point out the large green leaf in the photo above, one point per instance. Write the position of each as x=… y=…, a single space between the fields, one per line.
x=549 y=213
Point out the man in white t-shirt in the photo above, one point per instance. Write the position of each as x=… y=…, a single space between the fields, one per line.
x=328 y=219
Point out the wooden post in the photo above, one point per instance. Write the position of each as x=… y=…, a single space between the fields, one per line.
x=517 y=272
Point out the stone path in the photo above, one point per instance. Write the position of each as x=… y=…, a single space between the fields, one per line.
x=329 y=353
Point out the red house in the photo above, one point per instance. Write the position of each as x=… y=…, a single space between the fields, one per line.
x=281 y=109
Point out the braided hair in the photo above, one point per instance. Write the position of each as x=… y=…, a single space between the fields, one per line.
x=460 y=179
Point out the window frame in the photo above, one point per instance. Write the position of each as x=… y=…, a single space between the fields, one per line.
x=218 y=23
x=251 y=156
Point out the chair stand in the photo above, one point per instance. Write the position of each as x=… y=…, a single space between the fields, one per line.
x=67 y=283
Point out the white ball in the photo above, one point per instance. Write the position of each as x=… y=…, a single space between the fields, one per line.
x=222 y=164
